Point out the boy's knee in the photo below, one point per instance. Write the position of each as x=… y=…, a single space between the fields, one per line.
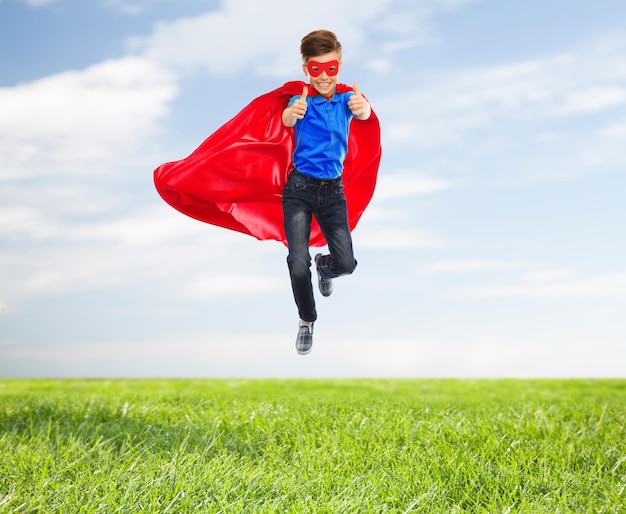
x=299 y=267
x=344 y=267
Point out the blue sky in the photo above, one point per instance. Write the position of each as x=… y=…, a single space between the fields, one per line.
x=494 y=245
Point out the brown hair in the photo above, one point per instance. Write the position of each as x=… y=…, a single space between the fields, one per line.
x=319 y=42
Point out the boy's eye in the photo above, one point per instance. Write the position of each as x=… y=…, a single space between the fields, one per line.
x=317 y=68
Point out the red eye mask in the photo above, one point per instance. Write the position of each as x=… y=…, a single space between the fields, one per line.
x=317 y=68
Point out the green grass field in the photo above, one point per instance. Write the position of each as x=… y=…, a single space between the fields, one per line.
x=301 y=446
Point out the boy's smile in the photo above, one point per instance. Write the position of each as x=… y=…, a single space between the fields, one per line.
x=323 y=83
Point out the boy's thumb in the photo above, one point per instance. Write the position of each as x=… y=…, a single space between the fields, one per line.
x=305 y=92
x=355 y=88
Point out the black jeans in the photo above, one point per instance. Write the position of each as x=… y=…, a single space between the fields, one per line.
x=303 y=198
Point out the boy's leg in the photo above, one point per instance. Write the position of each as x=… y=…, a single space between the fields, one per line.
x=298 y=231
x=333 y=220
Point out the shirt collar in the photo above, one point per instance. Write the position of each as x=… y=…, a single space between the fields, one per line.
x=317 y=98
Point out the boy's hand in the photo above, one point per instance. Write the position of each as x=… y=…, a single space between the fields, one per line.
x=296 y=110
x=359 y=105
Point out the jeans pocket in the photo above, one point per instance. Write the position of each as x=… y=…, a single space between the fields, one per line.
x=294 y=185
x=338 y=189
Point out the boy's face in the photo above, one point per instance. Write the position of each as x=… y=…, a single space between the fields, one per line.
x=326 y=70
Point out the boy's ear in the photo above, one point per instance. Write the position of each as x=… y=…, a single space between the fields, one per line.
x=304 y=69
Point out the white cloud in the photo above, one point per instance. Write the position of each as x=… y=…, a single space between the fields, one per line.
x=212 y=355
x=592 y=99
x=449 y=108
x=546 y=275
x=407 y=184
x=226 y=41
x=473 y=265
x=615 y=130
x=207 y=285
x=60 y=219
x=35 y=3
x=395 y=237
x=145 y=227
x=273 y=355
x=561 y=284
x=132 y=8
x=231 y=39
x=80 y=122
x=49 y=255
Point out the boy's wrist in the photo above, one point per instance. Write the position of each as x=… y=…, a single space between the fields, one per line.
x=289 y=120
x=367 y=111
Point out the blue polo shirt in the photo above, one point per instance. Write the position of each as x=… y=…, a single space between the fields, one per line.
x=322 y=136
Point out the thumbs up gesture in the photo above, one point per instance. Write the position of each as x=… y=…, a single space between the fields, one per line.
x=297 y=109
x=359 y=106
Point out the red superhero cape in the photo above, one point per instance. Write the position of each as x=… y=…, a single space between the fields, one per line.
x=235 y=178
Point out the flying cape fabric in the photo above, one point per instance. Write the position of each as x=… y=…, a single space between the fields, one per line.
x=235 y=178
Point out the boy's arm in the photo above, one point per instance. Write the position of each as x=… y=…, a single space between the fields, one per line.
x=359 y=106
x=296 y=110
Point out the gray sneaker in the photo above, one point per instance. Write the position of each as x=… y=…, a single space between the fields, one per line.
x=304 y=341
x=325 y=284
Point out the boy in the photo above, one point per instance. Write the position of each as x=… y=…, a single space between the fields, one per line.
x=321 y=118
x=250 y=175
